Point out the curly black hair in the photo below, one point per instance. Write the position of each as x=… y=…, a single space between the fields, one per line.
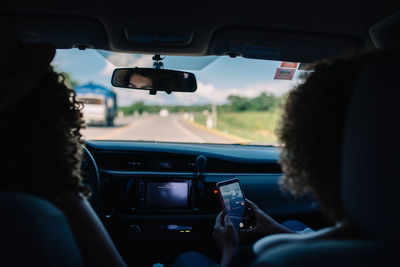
x=41 y=141
x=311 y=130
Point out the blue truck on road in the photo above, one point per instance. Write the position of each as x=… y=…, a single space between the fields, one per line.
x=100 y=103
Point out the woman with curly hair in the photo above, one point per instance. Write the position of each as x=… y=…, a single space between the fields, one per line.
x=312 y=127
x=42 y=145
x=310 y=132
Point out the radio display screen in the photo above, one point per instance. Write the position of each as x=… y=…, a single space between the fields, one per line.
x=167 y=194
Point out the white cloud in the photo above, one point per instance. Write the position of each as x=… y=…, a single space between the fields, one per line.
x=275 y=87
x=126 y=97
x=205 y=94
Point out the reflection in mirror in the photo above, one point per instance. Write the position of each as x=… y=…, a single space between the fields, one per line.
x=154 y=80
x=139 y=81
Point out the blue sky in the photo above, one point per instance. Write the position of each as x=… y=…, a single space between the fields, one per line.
x=222 y=77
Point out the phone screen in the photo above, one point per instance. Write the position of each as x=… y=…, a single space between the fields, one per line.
x=233 y=201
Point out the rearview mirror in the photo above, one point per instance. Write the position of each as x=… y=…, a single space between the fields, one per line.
x=154 y=80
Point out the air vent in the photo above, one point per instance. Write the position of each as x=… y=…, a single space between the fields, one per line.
x=145 y=161
x=170 y=162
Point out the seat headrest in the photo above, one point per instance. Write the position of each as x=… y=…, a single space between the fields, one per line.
x=370 y=161
x=34 y=232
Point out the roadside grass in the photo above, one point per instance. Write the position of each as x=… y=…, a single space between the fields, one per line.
x=257 y=126
x=201 y=119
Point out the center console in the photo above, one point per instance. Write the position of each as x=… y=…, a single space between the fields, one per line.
x=160 y=208
x=166 y=193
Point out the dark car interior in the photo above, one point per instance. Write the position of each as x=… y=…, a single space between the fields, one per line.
x=145 y=228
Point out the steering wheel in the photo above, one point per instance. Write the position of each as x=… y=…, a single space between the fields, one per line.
x=91 y=177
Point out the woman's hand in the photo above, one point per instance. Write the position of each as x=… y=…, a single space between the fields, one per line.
x=226 y=238
x=264 y=225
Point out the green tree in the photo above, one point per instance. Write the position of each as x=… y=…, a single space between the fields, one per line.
x=263 y=102
x=238 y=103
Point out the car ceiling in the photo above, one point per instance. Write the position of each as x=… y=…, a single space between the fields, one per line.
x=281 y=30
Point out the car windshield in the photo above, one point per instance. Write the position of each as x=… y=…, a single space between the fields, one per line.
x=238 y=100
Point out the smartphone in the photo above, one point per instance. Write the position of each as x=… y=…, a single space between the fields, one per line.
x=232 y=200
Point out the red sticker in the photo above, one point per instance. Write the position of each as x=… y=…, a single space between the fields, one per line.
x=289 y=65
x=284 y=74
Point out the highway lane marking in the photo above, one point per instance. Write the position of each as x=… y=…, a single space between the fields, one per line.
x=187 y=132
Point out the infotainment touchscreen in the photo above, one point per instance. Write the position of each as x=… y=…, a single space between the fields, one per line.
x=167 y=194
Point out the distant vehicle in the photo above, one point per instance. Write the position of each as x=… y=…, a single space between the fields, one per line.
x=100 y=103
x=164 y=112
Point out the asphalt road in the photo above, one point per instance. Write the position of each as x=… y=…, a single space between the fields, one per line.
x=172 y=128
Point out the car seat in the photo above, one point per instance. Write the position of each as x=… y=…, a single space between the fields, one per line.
x=34 y=233
x=370 y=173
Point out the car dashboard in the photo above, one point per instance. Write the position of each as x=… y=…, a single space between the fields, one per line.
x=161 y=197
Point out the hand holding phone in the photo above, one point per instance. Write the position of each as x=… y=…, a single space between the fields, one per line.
x=261 y=225
x=233 y=202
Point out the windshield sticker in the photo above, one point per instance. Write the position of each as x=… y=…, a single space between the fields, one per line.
x=284 y=74
x=293 y=65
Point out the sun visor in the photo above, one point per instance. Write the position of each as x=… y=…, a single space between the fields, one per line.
x=279 y=45
x=62 y=32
